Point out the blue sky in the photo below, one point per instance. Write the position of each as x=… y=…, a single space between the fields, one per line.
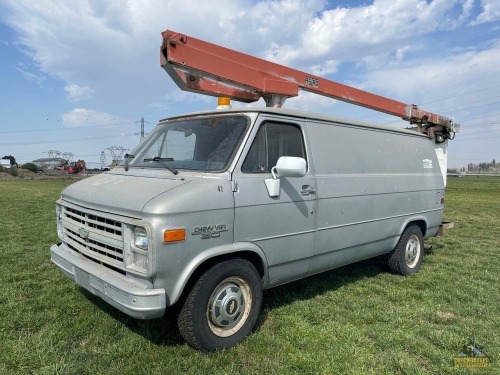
x=77 y=76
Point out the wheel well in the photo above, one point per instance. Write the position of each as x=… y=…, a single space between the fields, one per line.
x=203 y=267
x=421 y=224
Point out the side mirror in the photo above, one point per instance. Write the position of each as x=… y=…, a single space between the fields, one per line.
x=290 y=166
x=287 y=166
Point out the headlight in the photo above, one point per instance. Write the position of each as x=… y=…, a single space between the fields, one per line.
x=58 y=220
x=141 y=239
x=139 y=247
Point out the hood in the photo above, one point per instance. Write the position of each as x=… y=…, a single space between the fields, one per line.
x=120 y=193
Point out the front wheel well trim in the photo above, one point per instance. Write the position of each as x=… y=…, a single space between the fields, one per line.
x=209 y=257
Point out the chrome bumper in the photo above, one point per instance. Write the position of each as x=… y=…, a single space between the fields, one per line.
x=129 y=296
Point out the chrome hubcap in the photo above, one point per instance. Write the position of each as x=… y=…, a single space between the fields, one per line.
x=229 y=306
x=412 y=253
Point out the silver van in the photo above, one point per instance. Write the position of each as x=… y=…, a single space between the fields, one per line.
x=212 y=208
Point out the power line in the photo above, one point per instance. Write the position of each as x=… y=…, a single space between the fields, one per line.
x=462 y=94
x=65 y=128
x=474 y=139
x=63 y=140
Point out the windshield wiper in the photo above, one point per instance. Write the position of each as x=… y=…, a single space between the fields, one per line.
x=161 y=161
x=127 y=157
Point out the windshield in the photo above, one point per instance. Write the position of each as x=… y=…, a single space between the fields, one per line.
x=206 y=144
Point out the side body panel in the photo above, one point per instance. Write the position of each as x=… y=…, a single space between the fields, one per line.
x=371 y=184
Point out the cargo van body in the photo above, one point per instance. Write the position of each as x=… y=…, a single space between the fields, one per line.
x=246 y=200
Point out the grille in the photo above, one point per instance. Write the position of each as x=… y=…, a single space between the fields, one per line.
x=98 y=238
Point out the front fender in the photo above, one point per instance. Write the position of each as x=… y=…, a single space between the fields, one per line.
x=209 y=254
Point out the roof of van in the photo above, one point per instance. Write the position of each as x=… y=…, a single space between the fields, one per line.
x=295 y=114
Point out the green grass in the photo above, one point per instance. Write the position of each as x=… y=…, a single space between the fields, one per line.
x=355 y=320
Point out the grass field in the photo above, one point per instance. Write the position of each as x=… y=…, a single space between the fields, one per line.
x=355 y=320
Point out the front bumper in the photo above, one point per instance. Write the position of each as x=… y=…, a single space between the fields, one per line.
x=129 y=296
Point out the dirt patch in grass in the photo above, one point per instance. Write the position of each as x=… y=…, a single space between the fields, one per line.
x=6 y=176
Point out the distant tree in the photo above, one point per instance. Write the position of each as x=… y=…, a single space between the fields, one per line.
x=484 y=166
x=30 y=167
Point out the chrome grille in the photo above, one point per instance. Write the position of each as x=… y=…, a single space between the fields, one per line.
x=98 y=238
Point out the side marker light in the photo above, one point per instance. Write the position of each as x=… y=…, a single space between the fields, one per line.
x=174 y=235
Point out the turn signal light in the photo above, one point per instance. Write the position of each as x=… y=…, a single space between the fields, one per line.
x=174 y=235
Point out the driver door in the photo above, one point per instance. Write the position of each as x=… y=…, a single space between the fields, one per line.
x=283 y=227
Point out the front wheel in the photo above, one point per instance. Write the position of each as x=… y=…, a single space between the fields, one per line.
x=406 y=258
x=222 y=306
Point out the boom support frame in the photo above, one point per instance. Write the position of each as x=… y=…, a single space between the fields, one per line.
x=202 y=67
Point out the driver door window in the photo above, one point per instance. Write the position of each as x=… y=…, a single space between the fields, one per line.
x=272 y=141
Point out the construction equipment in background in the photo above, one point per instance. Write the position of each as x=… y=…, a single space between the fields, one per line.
x=75 y=167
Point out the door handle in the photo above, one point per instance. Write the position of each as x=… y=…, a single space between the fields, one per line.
x=307 y=190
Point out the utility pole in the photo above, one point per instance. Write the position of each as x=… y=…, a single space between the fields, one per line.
x=142 y=126
x=117 y=153
x=54 y=153
x=103 y=160
x=68 y=156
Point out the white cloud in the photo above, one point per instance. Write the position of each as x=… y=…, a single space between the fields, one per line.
x=490 y=13
x=353 y=33
x=307 y=101
x=329 y=67
x=467 y=7
x=111 y=48
x=37 y=78
x=78 y=93
x=83 y=117
x=157 y=105
x=462 y=71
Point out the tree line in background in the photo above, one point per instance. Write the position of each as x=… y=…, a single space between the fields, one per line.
x=478 y=168
x=483 y=167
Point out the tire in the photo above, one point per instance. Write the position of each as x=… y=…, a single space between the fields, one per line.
x=406 y=258
x=222 y=307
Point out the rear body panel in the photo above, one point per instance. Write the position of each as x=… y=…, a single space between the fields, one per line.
x=371 y=184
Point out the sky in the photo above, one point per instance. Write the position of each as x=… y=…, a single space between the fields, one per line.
x=78 y=76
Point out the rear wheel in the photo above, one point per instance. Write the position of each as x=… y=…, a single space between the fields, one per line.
x=406 y=258
x=222 y=306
